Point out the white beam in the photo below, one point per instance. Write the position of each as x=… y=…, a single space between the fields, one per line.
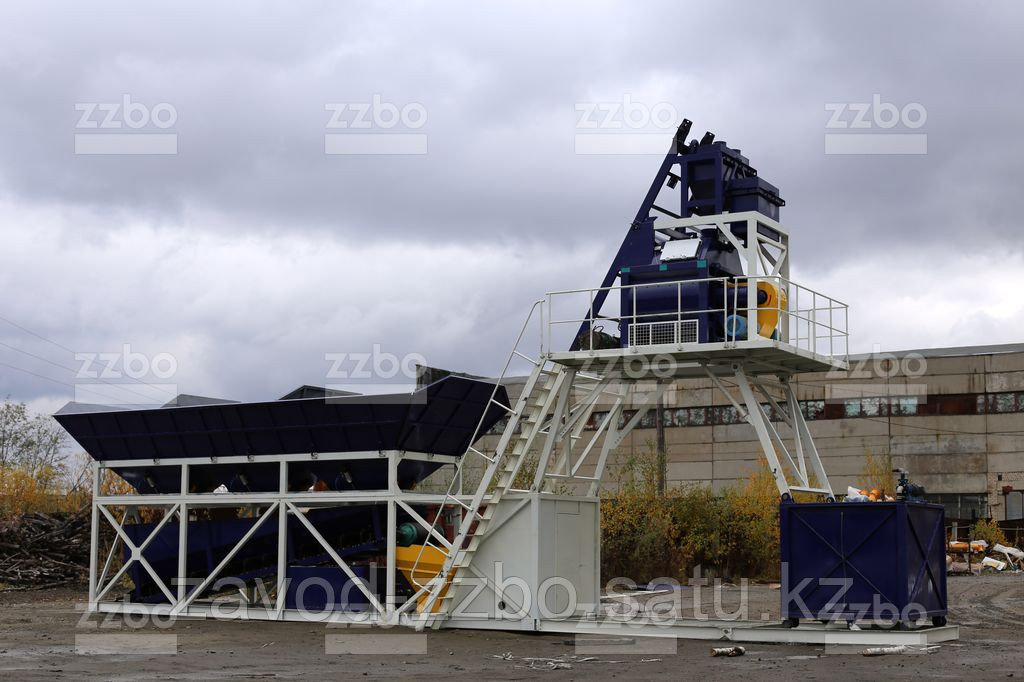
x=183 y=604
x=356 y=580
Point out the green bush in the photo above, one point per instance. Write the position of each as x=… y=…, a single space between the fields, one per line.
x=647 y=535
x=988 y=531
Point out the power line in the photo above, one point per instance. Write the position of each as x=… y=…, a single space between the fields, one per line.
x=56 y=381
x=71 y=369
x=65 y=348
x=38 y=336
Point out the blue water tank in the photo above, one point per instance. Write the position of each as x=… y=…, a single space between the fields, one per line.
x=863 y=560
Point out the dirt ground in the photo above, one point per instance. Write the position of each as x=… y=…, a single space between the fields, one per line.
x=38 y=632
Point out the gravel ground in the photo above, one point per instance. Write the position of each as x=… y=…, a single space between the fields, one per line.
x=38 y=633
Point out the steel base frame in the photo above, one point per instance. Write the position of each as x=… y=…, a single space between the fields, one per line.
x=182 y=597
x=739 y=631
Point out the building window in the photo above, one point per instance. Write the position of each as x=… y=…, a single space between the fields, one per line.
x=872 y=407
x=1014 y=505
x=904 y=407
x=697 y=416
x=961 y=506
x=852 y=408
x=625 y=417
x=596 y=419
x=1002 y=403
x=725 y=414
x=648 y=419
x=813 y=409
x=773 y=414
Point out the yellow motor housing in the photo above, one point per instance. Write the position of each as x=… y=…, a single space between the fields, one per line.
x=769 y=312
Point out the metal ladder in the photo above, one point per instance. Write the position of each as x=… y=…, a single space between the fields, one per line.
x=526 y=421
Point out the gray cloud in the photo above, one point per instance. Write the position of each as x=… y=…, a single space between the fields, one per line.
x=500 y=84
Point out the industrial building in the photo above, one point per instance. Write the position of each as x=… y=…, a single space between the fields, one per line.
x=952 y=417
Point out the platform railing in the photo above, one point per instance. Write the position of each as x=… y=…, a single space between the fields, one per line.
x=806 y=319
x=817 y=323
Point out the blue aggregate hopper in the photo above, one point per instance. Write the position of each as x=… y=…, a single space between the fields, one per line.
x=882 y=561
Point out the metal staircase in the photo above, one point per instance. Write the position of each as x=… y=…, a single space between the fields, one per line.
x=526 y=421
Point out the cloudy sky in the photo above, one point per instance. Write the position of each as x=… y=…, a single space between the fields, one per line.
x=247 y=257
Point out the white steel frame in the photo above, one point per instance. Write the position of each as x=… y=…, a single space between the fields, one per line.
x=757 y=253
x=279 y=505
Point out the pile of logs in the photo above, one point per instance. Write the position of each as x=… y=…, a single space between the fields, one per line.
x=44 y=550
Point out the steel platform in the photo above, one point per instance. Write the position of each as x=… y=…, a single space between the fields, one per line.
x=688 y=360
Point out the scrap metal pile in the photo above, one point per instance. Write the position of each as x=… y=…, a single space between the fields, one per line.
x=44 y=550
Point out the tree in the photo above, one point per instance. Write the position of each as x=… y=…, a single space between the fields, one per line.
x=32 y=443
x=877 y=474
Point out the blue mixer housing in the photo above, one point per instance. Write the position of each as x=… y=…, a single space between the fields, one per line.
x=705 y=178
x=707 y=298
